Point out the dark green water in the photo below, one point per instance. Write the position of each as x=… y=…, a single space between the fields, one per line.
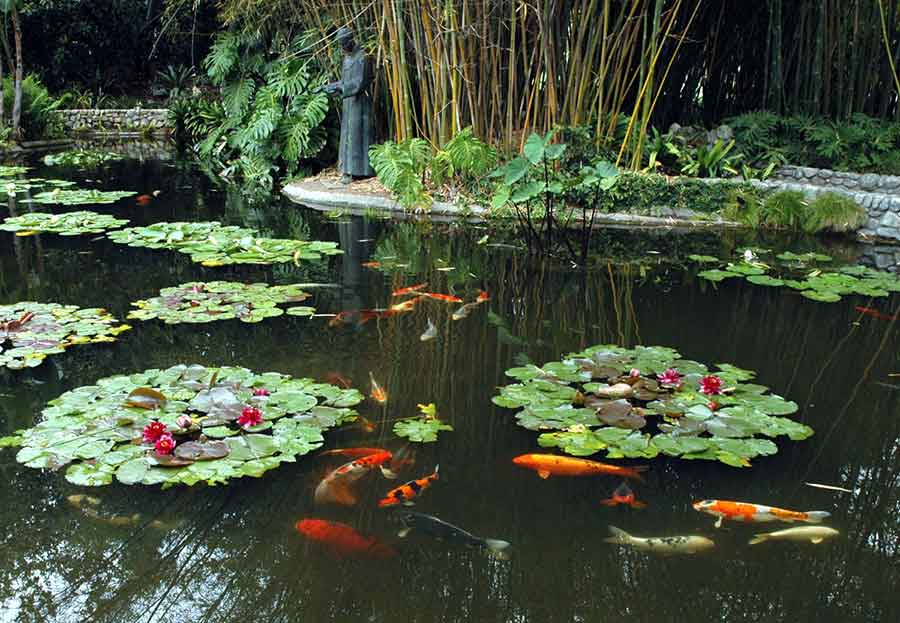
x=232 y=553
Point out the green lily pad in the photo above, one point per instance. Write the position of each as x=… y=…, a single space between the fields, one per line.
x=66 y=224
x=716 y=275
x=94 y=430
x=420 y=430
x=29 y=332
x=199 y=302
x=82 y=158
x=81 y=197
x=213 y=244
x=672 y=417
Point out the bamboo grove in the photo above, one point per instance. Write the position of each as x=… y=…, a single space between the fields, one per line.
x=506 y=67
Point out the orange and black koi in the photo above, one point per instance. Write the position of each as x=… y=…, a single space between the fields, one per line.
x=405 y=492
x=623 y=495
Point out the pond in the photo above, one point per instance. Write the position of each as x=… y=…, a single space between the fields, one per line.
x=232 y=553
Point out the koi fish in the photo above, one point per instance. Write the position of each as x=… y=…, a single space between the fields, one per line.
x=414 y=289
x=367 y=425
x=813 y=534
x=666 y=545
x=446 y=531
x=547 y=465
x=335 y=487
x=447 y=298
x=828 y=487
x=482 y=297
x=143 y=200
x=353 y=453
x=745 y=511
x=371 y=264
x=405 y=492
x=876 y=314
x=405 y=306
x=378 y=394
x=343 y=540
x=430 y=333
x=464 y=311
x=336 y=378
x=623 y=495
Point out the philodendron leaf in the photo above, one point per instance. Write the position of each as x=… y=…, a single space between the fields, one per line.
x=647 y=390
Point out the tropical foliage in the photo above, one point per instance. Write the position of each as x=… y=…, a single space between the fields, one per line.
x=791 y=209
x=647 y=401
x=183 y=425
x=198 y=302
x=29 y=332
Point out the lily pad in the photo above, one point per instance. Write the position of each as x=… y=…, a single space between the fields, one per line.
x=80 y=196
x=421 y=430
x=66 y=224
x=95 y=431
x=82 y=158
x=213 y=244
x=29 y=332
x=199 y=302
x=666 y=410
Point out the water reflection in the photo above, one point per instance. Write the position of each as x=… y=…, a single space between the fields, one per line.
x=232 y=553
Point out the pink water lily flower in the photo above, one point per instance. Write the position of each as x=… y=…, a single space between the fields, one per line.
x=261 y=391
x=710 y=385
x=250 y=416
x=165 y=444
x=153 y=431
x=634 y=373
x=670 y=377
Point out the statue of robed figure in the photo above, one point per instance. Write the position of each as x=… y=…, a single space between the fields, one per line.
x=357 y=125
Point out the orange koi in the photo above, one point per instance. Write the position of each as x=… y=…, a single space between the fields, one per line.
x=343 y=540
x=405 y=306
x=378 y=394
x=335 y=487
x=447 y=298
x=876 y=314
x=748 y=512
x=482 y=297
x=547 y=465
x=406 y=492
x=623 y=495
x=409 y=289
x=371 y=264
x=143 y=200
x=354 y=453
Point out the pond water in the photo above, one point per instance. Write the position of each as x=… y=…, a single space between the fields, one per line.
x=233 y=554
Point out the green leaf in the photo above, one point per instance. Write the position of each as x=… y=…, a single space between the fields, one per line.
x=534 y=148
x=420 y=430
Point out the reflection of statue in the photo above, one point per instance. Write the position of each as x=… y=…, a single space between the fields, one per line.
x=357 y=125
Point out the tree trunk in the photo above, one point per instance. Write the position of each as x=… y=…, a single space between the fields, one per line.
x=17 y=98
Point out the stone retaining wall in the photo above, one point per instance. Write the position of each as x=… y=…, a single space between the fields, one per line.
x=116 y=120
x=867 y=182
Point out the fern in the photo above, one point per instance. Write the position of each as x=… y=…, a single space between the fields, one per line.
x=463 y=157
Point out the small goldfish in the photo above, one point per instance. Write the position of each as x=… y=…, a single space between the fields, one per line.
x=354 y=453
x=378 y=394
x=876 y=314
x=623 y=495
x=482 y=297
x=367 y=425
x=143 y=200
x=430 y=332
x=447 y=298
x=343 y=540
x=414 y=289
x=335 y=487
x=665 y=545
x=405 y=492
x=371 y=264
x=547 y=465
x=813 y=534
x=747 y=512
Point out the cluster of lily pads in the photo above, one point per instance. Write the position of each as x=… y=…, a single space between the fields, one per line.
x=422 y=429
x=65 y=224
x=646 y=401
x=31 y=331
x=183 y=425
x=80 y=196
x=82 y=158
x=198 y=302
x=802 y=272
x=213 y=244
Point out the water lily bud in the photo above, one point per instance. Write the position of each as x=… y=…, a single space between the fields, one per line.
x=634 y=372
x=712 y=405
x=184 y=421
x=261 y=391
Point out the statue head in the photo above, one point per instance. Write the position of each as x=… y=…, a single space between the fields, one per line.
x=345 y=38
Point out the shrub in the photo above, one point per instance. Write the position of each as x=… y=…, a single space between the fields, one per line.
x=39 y=117
x=830 y=211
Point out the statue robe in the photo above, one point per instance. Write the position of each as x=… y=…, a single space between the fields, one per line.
x=357 y=125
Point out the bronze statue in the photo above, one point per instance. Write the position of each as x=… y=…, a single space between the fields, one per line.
x=357 y=125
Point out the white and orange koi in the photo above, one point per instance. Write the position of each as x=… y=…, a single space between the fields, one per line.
x=755 y=513
x=335 y=487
